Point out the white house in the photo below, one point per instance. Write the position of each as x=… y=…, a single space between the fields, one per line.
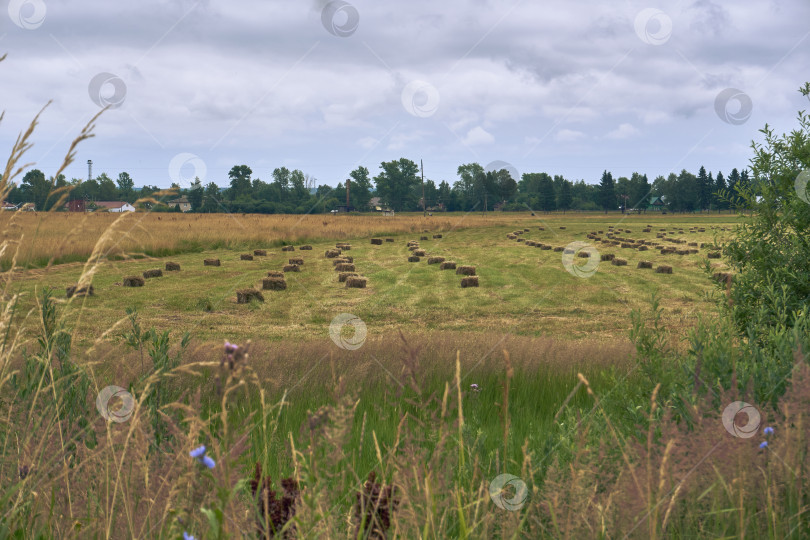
x=115 y=206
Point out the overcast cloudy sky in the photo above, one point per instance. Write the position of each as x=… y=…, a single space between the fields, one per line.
x=565 y=87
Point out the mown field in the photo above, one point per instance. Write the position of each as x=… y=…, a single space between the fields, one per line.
x=531 y=327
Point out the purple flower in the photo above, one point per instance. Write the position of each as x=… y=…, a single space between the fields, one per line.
x=208 y=462
x=763 y=444
x=474 y=387
x=197 y=452
x=768 y=430
x=230 y=347
x=187 y=536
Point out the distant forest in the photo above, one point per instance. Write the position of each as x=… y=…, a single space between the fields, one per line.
x=399 y=187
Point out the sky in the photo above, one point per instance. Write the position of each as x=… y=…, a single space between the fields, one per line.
x=562 y=87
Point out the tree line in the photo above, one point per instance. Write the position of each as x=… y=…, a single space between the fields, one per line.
x=399 y=186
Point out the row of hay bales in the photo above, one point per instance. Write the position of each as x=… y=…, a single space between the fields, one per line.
x=138 y=281
x=470 y=278
x=345 y=267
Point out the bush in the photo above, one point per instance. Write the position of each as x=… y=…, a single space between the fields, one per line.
x=771 y=250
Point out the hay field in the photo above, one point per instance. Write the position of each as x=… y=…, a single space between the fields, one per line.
x=524 y=290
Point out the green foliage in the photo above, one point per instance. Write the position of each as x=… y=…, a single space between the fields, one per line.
x=770 y=251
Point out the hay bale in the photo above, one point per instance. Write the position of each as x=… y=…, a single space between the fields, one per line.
x=413 y=248
x=356 y=282
x=332 y=253
x=626 y=245
x=682 y=251
x=435 y=260
x=172 y=267
x=157 y=272
x=341 y=245
x=343 y=276
x=260 y=253
x=608 y=256
x=644 y=264
x=420 y=252
x=584 y=255
x=211 y=262
x=245 y=296
x=663 y=269
x=389 y=239
x=541 y=228
x=693 y=251
x=288 y=248
x=465 y=270
x=414 y=258
x=339 y=260
x=275 y=283
x=75 y=290
x=133 y=281
x=376 y=241
x=556 y=248
x=439 y=236
x=299 y=262
x=562 y=228
x=423 y=238
x=619 y=262
x=667 y=250
x=447 y=265
x=521 y=239
x=344 y=267
x=291 y=268
x=643 y=248
x=246 y=257
x=713 y=255
x=305 y=248
x=275 y=273
x=469 y=281
x=692 y=244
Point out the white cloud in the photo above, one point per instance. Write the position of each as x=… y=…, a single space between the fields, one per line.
x=568 y=135
x=622 y=132
x=478 y=136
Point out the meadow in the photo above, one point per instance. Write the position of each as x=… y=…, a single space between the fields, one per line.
x=449 y=388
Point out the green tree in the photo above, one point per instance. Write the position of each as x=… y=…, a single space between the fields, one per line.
x=107 y=190
x=360 y=188
x=564 y=197
x=239 y=175
x=547 y=195
x=704 y=189
x=35 y=188
x=211 y=198
x=506 y=186
x=126 y=187
x=396 y=183
x=195 y=194
x=607 y=194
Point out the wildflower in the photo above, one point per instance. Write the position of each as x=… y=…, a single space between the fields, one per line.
x=187 y=536
x=768 y=430
x=199 y=455
x=230 y=348
x=474 y=387
x=763 y=444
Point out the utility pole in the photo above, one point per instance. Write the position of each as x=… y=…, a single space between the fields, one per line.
x=424 y=202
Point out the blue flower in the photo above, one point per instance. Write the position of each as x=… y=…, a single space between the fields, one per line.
x=187 y=536
x=768 y=430
x=763 y=444
x=208 y=462
x=197 y=452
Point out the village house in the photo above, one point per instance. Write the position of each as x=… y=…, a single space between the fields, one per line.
x=182 y=202
x=114 y=206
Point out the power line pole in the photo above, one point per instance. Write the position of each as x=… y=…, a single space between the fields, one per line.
x=424 y=202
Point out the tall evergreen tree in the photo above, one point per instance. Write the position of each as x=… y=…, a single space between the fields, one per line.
x=607 y=194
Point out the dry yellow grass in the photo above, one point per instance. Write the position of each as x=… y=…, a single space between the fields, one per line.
x=62 y=237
